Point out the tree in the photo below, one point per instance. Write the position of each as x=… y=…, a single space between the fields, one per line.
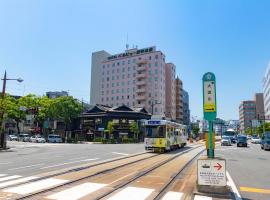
x=13 y=111
x=135 y=129
x=65 y=109
x=110 y=128
x=263 y=127
x=195 y=130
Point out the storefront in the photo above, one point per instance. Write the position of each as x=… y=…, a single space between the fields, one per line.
x=95 y=122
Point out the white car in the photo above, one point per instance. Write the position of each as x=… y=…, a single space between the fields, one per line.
x=226 y=141
x=12 y=138
x=255 y=140
x=54 y=138
x=38 y=139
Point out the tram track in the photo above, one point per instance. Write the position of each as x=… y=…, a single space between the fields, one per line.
x=104 y=172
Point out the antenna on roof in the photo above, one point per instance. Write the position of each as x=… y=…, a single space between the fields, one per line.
x=127 y=42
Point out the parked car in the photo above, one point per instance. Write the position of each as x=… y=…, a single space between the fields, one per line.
x=24 y=137
x=12 y=138
x=265 y=142
x=52 y=138
x=249 y=137
x=242 y=141
x=226 y=141
x=255 y=140
x=40 y=139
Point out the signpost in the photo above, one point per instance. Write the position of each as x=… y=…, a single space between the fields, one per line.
x=209 y=105
x=212 y=172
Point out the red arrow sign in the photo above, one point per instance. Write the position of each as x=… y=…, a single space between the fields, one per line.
x=218 y=166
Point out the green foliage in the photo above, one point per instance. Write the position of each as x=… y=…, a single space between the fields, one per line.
x=195 y=130
x=263 y=126
x=135 y=129
x=64 y=108
x=110 y=128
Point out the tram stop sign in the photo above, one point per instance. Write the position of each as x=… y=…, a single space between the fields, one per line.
x=209 y=96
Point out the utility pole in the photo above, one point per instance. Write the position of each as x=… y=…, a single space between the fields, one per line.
x=3 y=142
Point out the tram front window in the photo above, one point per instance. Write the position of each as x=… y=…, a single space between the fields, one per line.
x=155 y=131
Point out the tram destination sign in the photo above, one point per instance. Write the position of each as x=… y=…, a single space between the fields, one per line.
x=209 y=96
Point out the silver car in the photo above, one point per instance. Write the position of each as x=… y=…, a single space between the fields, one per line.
x=226 y=141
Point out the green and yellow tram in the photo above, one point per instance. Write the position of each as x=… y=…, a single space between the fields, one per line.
x=164 y=135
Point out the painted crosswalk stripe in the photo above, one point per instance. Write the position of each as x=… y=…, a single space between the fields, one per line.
x=13 y=182
x=199 y=197
x=76 y=192
x=35 y=186
x=173 y=196
x=2 y=175
x=9 y=178
x=132 y=193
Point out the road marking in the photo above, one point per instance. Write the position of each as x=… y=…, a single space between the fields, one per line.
x=66 y=163
x=77 y=192
x=9 y=178
x=132 y=193
x=5 y=163
x=2 y=175
x=172 y=196
x=199 y=197
x=124 y=154
x=35 y=186
x=255 y=190
x=230 y=182
x=28 y=166
x=17 y=181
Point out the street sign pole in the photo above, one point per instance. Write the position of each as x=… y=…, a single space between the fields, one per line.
x=209 y=105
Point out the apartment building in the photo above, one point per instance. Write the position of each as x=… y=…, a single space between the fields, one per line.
x=247 y=113
x=179 y=100
x=136 y=78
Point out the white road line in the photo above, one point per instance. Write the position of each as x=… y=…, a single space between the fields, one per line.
x=122 y=177
x=77 y=192
x=21 y=180
x=172 y=196
x=124 y=154
x=9 y=178
x=199 y=197
x=28 y=166
x=132 y=193
x=35 y=186
x=66 y=163
x=2 y=175
x=230 y=182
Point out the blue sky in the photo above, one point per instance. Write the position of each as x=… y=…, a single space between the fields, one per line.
x=49 y=43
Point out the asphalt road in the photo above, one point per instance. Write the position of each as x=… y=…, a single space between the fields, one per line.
x=249 y=169
x=28 y=159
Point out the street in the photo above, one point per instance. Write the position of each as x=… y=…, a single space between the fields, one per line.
x=248 y=168
x=28 y=159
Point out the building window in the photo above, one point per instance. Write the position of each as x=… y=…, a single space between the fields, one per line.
x=128 y=68
x=134 y=60
x=118 y=63
x=123 y=83
x=112 y=98
x=108 y=79
x=117 y=70
x=123 y=76
x=112 y=91
x=156 y=56
x=123 y=90
x=123 y=69
x=113 y=71
x=123 y=97
x=112 y=77
x=117 y=98
x=134 y=67
x=102 y=99
x=112 y=84
x=149 y=57
x=149 y=65
x=156 y=71
x=103 y=66
x=113 y=64
x=140 y=58
x=123 y=62
x=156 y=64
x=117 y=84
x=149 y=94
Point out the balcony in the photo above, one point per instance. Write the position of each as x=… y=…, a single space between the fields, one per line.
x=140 y=97
x=141 y=68
x=141 y=90
x=141 y=62
x=139 y=83
x=142 y=75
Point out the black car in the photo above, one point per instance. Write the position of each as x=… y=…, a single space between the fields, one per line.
x=265 y=142
x=242 y=141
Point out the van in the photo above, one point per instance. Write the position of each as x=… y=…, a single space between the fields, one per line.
x=52 y=138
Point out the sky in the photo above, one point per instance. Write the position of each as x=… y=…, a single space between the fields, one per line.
x=49 y=43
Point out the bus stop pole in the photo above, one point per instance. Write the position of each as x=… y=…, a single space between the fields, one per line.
x=210 y=132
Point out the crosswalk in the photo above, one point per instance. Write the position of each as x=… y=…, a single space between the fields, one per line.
x=19 y=185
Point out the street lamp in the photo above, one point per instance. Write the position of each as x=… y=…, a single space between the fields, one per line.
x=5 y=79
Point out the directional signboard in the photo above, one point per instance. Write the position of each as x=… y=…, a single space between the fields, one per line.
x=212 y=172
x=209 y=96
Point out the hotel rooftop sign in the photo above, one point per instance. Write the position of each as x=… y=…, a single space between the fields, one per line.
x=132 y=53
